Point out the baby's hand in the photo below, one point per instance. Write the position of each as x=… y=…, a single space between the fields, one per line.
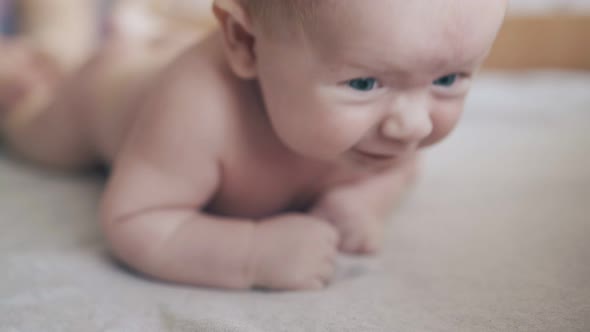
x=360 y=232
x=360 y=235
x=294 y=252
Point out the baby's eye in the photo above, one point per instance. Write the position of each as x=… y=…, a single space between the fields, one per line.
x=363 y=84
x=446 y=81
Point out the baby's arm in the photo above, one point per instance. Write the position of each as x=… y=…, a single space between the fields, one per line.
x=153 y=215
x=359 y=210
x=151 y=220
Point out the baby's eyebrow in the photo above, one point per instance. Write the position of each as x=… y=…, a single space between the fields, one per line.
x=463 y=62
x=392 y=69
x=429 y=64
x=456 y=62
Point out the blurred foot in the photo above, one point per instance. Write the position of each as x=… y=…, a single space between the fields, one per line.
x=27 y=81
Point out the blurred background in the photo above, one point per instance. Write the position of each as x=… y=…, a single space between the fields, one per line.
x=494 y=237
x=71 y=29
x=544 y=34
x=537 y=34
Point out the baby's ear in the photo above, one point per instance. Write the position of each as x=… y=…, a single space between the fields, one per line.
x=238 y=37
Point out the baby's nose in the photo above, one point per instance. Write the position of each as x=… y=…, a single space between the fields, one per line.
x=407 y=126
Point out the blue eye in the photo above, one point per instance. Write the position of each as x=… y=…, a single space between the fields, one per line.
x=363 y=84
x=446 y=81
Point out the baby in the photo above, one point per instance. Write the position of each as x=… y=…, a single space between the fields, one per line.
x=250 y=158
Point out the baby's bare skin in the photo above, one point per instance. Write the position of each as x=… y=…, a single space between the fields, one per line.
x=231 y=169
x=261 y=177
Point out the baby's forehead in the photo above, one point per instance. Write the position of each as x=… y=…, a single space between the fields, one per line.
x=426 y=33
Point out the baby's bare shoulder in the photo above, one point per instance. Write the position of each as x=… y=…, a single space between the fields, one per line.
x=195 y=85
x=192 y=105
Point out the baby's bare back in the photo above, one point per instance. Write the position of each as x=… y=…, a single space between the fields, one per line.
x=111 y=88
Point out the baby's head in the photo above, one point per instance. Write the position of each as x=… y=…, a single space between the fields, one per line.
x=366 y=81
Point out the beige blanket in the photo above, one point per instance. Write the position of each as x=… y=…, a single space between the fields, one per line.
x=495 y=237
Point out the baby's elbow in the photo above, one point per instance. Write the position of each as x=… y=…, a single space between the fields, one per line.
x=130 y=241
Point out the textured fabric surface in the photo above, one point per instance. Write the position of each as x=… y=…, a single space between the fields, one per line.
x=495 y=237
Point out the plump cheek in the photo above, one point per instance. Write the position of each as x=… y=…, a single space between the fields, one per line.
x=305 y=124
x=319 y=137
x=444 y=120
x=313 y=130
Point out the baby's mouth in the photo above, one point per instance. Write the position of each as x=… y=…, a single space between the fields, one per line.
x=374 y=157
